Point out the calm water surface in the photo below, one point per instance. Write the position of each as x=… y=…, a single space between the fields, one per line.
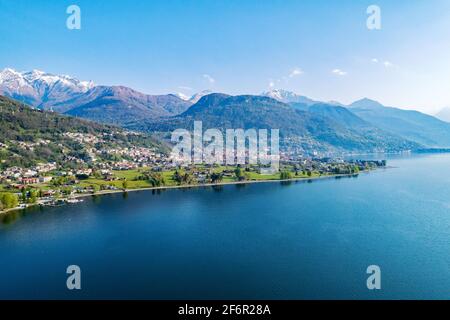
x=269 y=241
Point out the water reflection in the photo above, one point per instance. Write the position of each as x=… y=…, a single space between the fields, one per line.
x=14 y=216
x=217 y=188
x=11 y=217
x=158 y=191
x=350 y=176
x=96 y=199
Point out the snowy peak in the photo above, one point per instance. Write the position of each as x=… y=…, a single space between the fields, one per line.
x=37 y=76
x=196 y=97
x=278 y=94
x=33 y=75
x=12 y=79
x=182 y=96
x=8 y=76
x=41 y=89
x=287 y=96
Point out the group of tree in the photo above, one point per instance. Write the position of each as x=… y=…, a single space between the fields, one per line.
x=31 y=195
x=241 y=175
x=62 y=181
x=285 y=175
x=307 y=173
x=216 y=177
x=156 y=179
x=95 y=188
x=8 y=200
x=181 y=177
x=349 y=169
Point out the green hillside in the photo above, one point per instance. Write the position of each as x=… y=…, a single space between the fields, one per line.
x=29 y=136
x=323 y=128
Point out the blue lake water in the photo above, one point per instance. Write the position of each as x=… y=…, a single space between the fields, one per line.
x=261 y=241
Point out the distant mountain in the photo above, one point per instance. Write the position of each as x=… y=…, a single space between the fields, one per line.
x=444 y=114
x=119 y=105
x=196 y=97
x=366 y=103
x=288 y=97
x=182 y=96
x=64 y=94
x=336 y=103
x=41 y=89
x=411 y=125
x=29 y=136
x=339 y=114
x=310 y=131
x=367 y=126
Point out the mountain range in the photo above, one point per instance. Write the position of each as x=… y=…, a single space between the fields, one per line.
x=288 y=97
x=303 y=131
x=412 y=125
x=41 y=89
x=119 y=105
x=304 y=123
x=107 y=104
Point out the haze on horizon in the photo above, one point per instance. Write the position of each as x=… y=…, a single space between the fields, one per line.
x=320 y=49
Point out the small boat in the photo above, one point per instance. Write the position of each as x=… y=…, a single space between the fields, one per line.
x=74 y=200
x=56 y=203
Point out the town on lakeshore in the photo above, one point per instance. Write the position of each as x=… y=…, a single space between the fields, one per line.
x=136 y=168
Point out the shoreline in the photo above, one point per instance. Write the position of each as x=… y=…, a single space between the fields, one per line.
x=107 y=192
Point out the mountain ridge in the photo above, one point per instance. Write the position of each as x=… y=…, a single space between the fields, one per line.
x=410 y=124
x=123 y=106
x=119 y=104
x=40 y=89
x=107 y=104
x=303 y=130
x=288 y=97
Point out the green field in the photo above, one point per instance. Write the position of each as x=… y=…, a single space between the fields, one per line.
x=132 y=179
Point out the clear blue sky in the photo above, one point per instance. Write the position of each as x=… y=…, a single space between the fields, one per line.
x=246 y=45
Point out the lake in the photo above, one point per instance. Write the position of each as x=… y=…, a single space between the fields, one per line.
x=300 y=240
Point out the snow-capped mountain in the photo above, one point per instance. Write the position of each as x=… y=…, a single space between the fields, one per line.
x=182 y=96
x=41 y=89
x=287 y=97
x=336 y=103
x=65 y=94
x=196 y=97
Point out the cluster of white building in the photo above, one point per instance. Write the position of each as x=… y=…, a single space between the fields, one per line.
x=36 y=174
